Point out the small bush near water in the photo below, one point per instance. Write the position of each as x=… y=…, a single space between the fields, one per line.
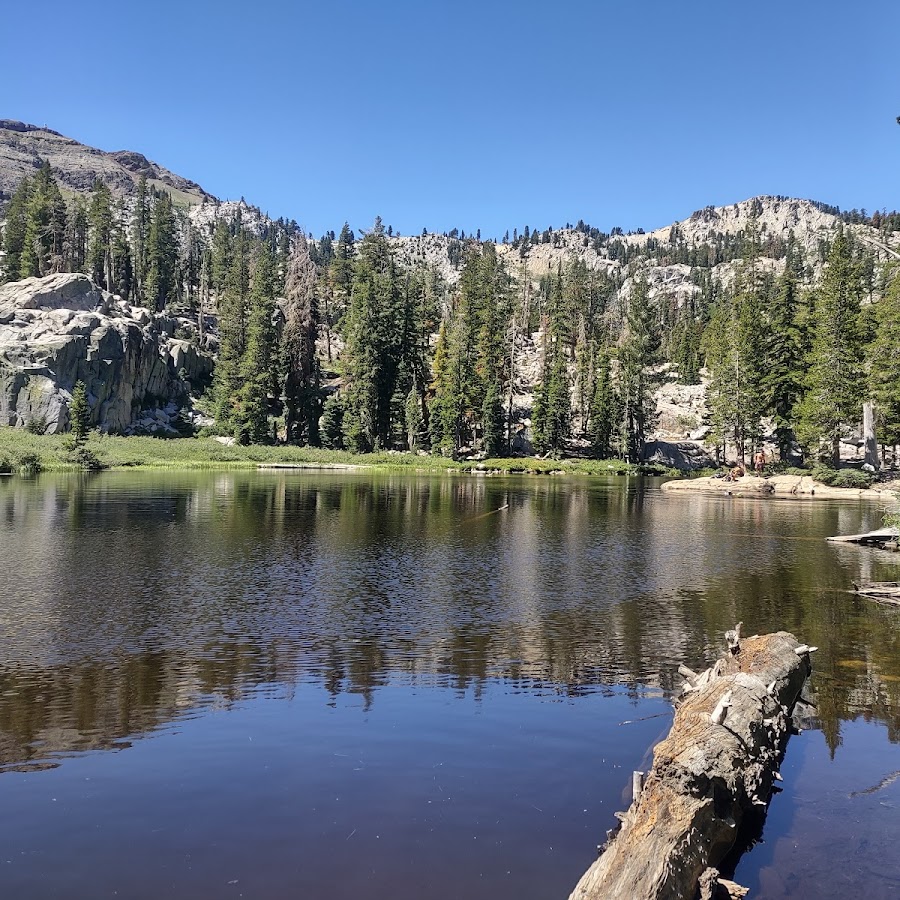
x=843 y=478
x=85 y=459
x=29 y=464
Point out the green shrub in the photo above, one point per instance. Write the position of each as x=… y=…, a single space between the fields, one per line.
x=85 y=459
x=851 y=478
x=6 y=466
x=780 y=467
x=36 y=426
x=843 y=478
x=892 y=513
x=29 y=464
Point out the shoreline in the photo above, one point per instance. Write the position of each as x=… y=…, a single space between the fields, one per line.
x=780 y=487
x=115 y=453
x=198 y=454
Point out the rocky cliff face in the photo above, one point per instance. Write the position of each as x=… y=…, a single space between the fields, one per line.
x=59 y=330
x=76 y=166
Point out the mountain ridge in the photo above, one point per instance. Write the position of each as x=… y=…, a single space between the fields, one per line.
x=76 y=166
x=23 y=146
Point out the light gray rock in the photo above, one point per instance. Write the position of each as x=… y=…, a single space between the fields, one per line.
x=685 y=456
x=61 y=329
x=77 y=166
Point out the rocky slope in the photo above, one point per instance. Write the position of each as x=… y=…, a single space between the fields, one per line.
x=679 y=431
x=76 y=166
x=773 y=217
x=59 y=330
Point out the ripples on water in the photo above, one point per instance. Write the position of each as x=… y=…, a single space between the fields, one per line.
x=311 y=652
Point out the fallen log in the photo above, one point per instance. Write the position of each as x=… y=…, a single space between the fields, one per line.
x=880 y=591
x=879 y=537
x=717 y=764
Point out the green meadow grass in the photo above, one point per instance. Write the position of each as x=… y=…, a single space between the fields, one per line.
x=18 y=446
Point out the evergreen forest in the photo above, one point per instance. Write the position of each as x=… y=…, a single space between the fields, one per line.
x=360 y=341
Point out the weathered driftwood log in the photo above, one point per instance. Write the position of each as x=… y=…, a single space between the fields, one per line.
x=717 y=763
x=880 y=591
x=880 y=537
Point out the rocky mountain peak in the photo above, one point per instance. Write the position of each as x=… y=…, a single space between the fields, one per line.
x=76 y=166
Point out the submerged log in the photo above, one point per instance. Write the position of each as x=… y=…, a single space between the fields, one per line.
x=880 y=591
x=717 y=763
x=880 y=537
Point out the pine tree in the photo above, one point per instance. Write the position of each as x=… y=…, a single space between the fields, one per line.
x=638 y=363
x=373 y=349
x=301 y=379
x=835 y=382
x=491 y=304
x=220 y=256
x=14 y=230
x=189 y=264
x=43 y=246
x=685 y=344
x=161 y=255
x=140 y=227
x=231 y=267
x=258 y=362
x=782 y=376
x=884 y=378
x=471 y=357
x=121 y=262
x=54 y=237
x=342 y=264
x=735 y=357
x=78 y=235
x=100 y=229
x=492 y=421
x=604 y=407
x=419 y=311
x=443 y=412
x=79 y=414
x=552 y=413
x=413 y=419
x=331 y=425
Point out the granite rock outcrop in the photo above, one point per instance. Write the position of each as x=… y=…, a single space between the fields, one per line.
x=62 y=329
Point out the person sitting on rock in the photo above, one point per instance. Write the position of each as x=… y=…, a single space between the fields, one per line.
x=735 y=473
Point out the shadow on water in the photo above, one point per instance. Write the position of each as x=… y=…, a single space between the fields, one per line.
x=407 y=618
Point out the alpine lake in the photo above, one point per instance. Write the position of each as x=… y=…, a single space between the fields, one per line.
x=335 y=685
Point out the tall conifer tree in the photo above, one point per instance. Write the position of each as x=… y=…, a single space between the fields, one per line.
x=301 y=379
x=14 y=230
x=258 y=363
x=835 y=381
x=884 y=378
x=161 y=255
x=638 y=375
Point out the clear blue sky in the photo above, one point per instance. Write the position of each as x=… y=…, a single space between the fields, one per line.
x=476 y=113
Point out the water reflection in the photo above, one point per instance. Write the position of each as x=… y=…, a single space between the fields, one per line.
x=133 y=599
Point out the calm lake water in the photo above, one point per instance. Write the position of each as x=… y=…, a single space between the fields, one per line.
x=329 y=685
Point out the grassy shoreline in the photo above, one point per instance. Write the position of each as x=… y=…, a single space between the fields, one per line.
x=204 y=453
